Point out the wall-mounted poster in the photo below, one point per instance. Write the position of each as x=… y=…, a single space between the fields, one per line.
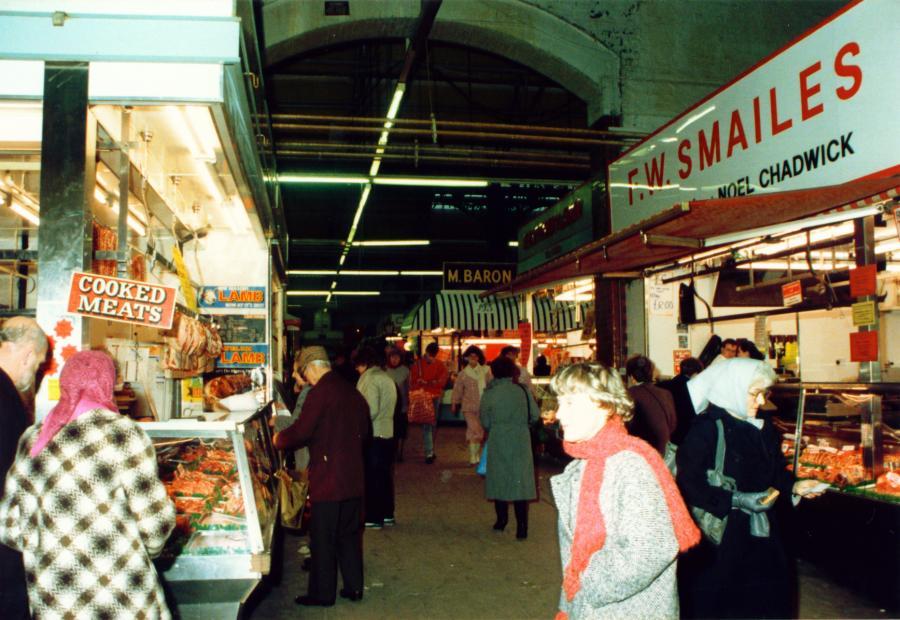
x=228 y=297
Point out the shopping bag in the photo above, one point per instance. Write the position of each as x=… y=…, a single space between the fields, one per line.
x=713 y=527
x=421 y=407
x=481 y=470
x=292 y=489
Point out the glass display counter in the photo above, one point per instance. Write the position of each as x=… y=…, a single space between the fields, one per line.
x=220 y=475
x=847 y=432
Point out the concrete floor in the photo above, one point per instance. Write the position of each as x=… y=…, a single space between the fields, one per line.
x=443 y=560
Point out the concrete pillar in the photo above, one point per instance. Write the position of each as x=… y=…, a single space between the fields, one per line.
x=67 y=171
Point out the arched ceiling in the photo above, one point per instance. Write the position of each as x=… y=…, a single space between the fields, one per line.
x=497 y=67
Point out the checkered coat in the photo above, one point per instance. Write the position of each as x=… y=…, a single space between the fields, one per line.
x=87 y=513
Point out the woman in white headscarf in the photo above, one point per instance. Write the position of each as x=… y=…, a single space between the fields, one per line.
x=746 y=575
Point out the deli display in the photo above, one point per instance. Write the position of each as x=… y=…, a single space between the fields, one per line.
x=221 y=476
x=848 y=436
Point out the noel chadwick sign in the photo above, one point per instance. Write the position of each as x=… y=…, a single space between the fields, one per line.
x=116 y=299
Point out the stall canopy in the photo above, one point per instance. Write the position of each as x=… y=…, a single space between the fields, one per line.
x=703 y=224
x=469 y=312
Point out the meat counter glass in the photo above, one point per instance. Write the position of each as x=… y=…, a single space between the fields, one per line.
x=220 y=475
x=848 y=435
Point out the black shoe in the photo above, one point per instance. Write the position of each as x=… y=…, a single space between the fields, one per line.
x=353 y=595
x=500 y=525
x=521 y=533
x=429 y=459
x=311 y=601
x=306 y=564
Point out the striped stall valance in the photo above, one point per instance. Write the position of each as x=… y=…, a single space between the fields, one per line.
x=419 y=319
x=558 y=316
x=469 y=312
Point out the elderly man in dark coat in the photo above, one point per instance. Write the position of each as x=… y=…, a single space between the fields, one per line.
x=23 y=346
x=334 y=423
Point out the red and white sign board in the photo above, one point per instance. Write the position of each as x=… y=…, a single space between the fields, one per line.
x=128 y=301
x=821 y=111
x=792 y=293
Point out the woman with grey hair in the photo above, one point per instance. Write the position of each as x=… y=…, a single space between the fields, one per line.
x=745 y=575
x=622 y=522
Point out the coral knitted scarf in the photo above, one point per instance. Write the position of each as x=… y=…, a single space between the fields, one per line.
x=590 y=528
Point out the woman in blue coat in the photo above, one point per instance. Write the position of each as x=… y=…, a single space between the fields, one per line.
x=507 y=411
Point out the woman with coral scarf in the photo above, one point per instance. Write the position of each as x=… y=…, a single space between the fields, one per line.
x=622 y=522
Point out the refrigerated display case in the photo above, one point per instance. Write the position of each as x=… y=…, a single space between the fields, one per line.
x=848 y=435
x=222 y=543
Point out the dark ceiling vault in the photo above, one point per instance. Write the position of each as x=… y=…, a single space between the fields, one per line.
x=465 y=114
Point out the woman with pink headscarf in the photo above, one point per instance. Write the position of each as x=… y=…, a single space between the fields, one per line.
x=84 y=504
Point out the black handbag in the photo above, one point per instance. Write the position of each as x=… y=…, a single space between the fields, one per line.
x=713 y=527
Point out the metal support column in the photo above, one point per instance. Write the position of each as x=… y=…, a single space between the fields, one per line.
x=869 y=372
x=67 y=160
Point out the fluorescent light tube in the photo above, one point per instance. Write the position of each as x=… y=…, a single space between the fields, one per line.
x=376 y=166
x=391 y=243
x=372 y=272
x=430 y=182
x=306 y=293
x=421 y=273
x=357 y=293
x=325 y=179
x=342 y=259
x=395 y=101
x=312 y=272
x=513 y=244
x=25 y=212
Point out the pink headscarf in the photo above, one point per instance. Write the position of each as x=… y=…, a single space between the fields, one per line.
x=86 y=382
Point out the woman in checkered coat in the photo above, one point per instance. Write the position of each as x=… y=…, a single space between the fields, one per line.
x=84 y=504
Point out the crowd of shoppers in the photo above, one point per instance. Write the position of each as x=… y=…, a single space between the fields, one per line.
x=81 y=492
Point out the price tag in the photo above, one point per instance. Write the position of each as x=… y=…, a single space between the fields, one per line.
x=864 y=346
x=863 y=281
x=864 y=313
x=792 y=293
x=662 y=299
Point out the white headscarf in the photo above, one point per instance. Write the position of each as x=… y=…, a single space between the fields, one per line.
x=727 y=385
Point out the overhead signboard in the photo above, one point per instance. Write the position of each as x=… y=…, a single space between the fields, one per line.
x=477 y=276
x=819 y=112
x=233 y=297
x=564 y=227
x=127 y=301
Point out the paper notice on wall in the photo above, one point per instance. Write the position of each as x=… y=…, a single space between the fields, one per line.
x=760 y=332
x=662 y=299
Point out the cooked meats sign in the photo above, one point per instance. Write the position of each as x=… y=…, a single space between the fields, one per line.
x=819 y=112
x=127 y=301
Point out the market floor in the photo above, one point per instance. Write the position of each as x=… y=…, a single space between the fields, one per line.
x=443 y=560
